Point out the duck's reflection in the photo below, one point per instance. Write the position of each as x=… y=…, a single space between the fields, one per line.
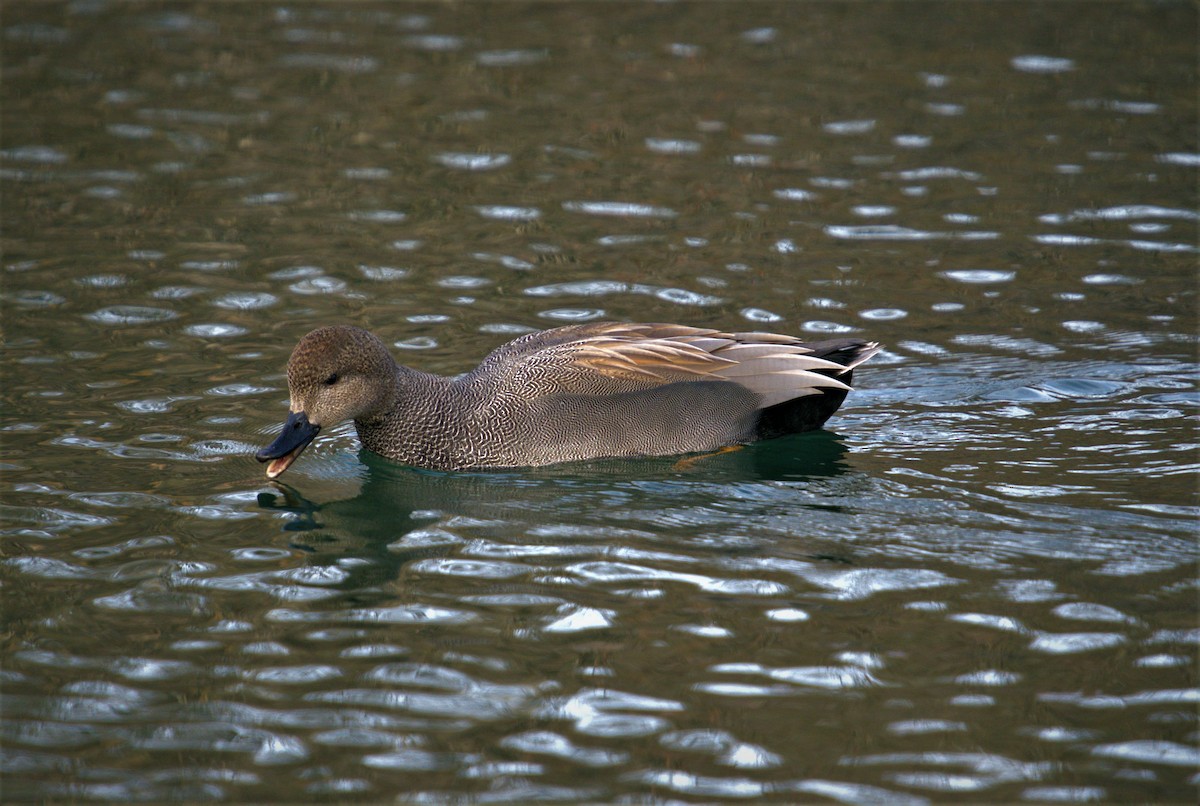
x=368 y=517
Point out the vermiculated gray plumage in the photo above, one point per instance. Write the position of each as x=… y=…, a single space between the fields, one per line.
x=578 y=392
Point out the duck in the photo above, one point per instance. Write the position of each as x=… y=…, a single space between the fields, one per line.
x=579 y=392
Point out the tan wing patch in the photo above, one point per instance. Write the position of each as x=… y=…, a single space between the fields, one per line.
x=776 y=367
x=664 y=359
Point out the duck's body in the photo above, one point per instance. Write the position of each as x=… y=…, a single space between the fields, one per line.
x=578 y=392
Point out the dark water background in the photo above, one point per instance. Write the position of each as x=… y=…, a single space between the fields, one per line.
x=978 y=585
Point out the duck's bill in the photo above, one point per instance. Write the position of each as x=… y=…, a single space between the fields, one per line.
x=297 y=433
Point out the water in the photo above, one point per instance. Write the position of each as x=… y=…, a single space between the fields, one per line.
x=978 y=585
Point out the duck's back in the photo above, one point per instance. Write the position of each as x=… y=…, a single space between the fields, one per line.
x=614 y=389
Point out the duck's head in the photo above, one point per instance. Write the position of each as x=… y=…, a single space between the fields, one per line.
x=335 y=373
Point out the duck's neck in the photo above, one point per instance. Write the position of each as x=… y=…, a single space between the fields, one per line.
x=419 y=423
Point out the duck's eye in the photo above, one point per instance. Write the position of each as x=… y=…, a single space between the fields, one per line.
x=331 y=380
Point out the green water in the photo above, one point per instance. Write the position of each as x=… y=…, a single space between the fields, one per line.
x=977 y=585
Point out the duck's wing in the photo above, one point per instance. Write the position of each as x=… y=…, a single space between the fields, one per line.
x=612 y=357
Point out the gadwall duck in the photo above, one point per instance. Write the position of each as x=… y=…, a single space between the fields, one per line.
x=579 y=392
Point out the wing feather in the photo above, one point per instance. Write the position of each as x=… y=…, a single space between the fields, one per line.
x=612 y=357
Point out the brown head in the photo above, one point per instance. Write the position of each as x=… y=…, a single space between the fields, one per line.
x=335 y=373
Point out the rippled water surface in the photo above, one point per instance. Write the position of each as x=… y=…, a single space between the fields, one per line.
x=978 y=585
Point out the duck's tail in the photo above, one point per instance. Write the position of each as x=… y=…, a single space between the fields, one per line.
x=810 y=411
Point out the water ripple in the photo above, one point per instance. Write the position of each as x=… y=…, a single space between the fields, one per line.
x=246 y=300
x=400 y=614
x=472 y=162
x=598 y=288
x=605 y=571
x=544 y=742
x=979 y=276
x=510 y=58
x=130 y=315
x=700 y=786
x=1153 y=751
x=660 y=145
x=571 y=619
x=891 y=232
x=616 y=208
x=501 y=212
x=1042 y=64
x=982 y=572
